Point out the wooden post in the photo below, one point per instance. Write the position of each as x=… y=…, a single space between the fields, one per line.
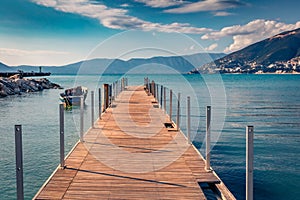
x=178 y=113
x=113 y=91
x=110 y=95
x=146 y=83
x=249 y=162
x=149 y=88
x=154 y=91
x=152 y=88
x=106 y=96
x=81 y=118
x=92 y=108
x=171 y=96
x=117 y=88
x=100 y=106
x=123 y=84
x=189 y=119
x=165 y=100
x=157 y=93
x=208 y=119
x=161 y=95
x=62 y=135
x=19 y=161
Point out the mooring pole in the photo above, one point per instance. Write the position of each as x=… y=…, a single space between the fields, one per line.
x=161 y=95
x=149 y=88
x=208 y=119
x=81 y=118
x=152 y=88
x=92 y=108
x=171 y=96
x=62 y=135
x=19 y=161
x=106 y=96
x=110 y=94
x=100 y=106
x=113 y=91
x=157 y=94
x=189 y=119
x=249 y=162
x=178 y=113
x=123 y=84
x=165 y=100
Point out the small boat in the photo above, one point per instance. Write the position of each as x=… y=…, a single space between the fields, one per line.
x=72 y=96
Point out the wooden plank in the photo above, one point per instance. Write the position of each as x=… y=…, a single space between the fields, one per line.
x=131 y=155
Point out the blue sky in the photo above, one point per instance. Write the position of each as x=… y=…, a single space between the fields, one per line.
x=57 y=32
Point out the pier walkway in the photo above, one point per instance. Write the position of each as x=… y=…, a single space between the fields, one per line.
x=131 y=154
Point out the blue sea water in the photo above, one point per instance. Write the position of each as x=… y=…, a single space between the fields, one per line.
x=269 y=102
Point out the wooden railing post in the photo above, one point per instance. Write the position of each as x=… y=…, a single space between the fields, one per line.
x=19 y=161
x=92 y=109
x=99 y=101
x=208 y=119
x=110 y=95
x=152 y=88
x=161 y=95
x=171 y=99
x=178 y=113
x=81 y=118
x=165 y=100
x=62 y=135
x=157 y=93
x=249 y=162
x=106 y=96
x=189 y=119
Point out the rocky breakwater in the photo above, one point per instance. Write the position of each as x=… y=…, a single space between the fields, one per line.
x=16 y=85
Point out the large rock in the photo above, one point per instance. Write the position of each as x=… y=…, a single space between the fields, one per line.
x=16 y=85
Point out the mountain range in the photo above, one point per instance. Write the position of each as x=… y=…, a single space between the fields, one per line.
x=181 y=64
x=277 y=54
x=280 y=53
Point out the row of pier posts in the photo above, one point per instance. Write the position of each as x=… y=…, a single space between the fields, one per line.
x=110 y=93
x=153 y=89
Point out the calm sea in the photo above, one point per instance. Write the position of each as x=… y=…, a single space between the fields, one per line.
x=271 y=103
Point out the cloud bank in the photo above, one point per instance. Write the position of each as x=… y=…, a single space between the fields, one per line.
x=254 y=31
x=206 y=5
x=117 y=18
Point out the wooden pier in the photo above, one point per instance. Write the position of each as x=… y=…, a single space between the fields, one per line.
x=131 y=154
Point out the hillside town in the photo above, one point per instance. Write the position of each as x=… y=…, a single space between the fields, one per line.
x=228 y=66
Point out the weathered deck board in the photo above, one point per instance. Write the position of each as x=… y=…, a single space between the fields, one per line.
x=131 y=155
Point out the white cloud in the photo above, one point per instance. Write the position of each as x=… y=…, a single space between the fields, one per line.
x=160 y=3
x=20 y=52
x=116 y=18
x=211 y=47
x=206 y=5
x=125 y=5
x=254 y=31
x=222 y=14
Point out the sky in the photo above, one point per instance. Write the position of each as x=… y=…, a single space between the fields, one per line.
x=59 y=32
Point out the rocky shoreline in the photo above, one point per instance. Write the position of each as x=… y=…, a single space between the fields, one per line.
x=16 y=85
